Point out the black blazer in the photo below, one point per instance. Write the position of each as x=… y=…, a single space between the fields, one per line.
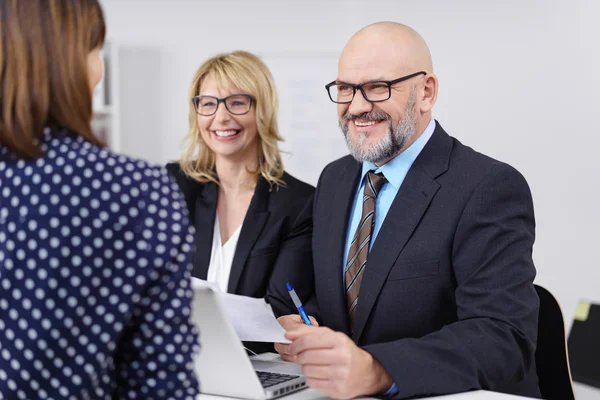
x=274 y=243
x=447 y=302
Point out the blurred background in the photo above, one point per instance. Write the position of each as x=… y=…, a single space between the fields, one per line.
x=518 y=81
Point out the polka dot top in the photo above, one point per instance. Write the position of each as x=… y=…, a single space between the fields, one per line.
x=94 y=277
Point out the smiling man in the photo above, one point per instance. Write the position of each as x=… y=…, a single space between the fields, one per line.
x=422 y=247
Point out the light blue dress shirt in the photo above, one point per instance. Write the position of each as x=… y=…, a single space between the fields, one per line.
x=394 y=171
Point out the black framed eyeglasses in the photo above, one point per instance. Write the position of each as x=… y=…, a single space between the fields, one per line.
x=372 y=91
x=236 y=104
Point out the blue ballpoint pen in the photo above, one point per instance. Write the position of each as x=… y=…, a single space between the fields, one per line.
x=298 y=304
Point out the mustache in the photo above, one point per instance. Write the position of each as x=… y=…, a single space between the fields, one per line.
x=374 y=115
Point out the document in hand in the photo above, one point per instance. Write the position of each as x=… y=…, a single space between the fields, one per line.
x=252 y=319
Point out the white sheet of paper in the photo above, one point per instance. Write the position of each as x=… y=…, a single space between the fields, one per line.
x=202 y=283
x=252 y=319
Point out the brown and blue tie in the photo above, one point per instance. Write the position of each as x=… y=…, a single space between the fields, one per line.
x=359 y=247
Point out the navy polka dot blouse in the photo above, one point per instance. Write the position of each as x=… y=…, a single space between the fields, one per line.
x=94 y=277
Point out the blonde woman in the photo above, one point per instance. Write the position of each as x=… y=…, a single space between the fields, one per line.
x=252 y=219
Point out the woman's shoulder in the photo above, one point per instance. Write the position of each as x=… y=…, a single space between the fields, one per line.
x=292 y=196
x=91 y=187
x=190 y=187
x=295 y=187
x=75 y=166
x=103 y=163
x=184 y=181
x=174 y=169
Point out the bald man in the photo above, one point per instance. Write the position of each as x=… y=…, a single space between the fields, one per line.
x=422 y=247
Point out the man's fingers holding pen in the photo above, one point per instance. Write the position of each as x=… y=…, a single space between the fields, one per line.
x=284 y=351
x=290 y=323
x=294 y=321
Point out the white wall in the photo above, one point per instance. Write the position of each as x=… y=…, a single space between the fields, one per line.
x=518 y=81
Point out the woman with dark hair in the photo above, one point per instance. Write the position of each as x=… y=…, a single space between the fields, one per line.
x=94 y=270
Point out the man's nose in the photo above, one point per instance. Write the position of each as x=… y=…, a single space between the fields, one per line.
x=359 y=104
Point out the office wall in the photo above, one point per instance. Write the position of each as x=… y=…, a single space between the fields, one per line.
x=518 y=81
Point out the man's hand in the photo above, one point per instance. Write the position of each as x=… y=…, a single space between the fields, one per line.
x=290 y=323
x=335 y=365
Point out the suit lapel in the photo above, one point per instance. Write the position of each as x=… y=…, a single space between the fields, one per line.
x=405 y=213
x=411 y=202
x=255 y=219
x=333 y=276
x=206 y=211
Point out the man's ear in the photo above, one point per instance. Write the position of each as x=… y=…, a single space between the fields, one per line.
x=428 y=93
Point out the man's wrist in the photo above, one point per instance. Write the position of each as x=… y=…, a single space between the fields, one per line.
x=379 y=379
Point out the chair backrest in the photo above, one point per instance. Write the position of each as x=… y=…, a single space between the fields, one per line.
x=583 y=344
x=551 y=356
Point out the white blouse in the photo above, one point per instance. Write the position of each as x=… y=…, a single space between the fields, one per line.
x=221 y=257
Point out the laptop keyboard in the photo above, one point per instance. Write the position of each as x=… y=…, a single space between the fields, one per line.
x=268 y=379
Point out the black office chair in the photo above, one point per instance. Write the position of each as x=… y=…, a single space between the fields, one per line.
x=551 y=356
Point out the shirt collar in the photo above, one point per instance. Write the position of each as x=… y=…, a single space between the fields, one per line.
x=396 y=169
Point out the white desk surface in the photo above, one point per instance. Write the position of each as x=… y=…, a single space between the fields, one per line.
x=310 y=394
x=585 y=392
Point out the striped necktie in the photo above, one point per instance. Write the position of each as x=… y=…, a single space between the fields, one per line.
x=359 y=247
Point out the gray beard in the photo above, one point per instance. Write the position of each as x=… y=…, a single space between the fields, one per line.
x=391 y=143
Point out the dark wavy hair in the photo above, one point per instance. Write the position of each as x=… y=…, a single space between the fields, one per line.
x=44 y=46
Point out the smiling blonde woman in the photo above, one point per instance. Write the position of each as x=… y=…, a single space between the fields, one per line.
x=252 y=219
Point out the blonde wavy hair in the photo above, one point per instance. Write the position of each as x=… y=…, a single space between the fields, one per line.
x=251 y=76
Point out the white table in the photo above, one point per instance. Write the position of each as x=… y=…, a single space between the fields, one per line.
x=310 y=394
x=479 y=395
x=585 y=392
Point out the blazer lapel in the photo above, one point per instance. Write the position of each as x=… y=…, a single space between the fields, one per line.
x=255 y=219
x=333 y=275
x=411 y=202
x=206 y=211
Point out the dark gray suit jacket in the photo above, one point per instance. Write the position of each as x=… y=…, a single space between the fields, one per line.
x=274 y=243
x=447 y=302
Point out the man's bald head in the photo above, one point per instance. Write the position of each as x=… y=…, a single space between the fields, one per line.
x=383 y=118
x=388 y=43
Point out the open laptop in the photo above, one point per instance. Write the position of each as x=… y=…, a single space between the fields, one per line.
x=223 y=367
